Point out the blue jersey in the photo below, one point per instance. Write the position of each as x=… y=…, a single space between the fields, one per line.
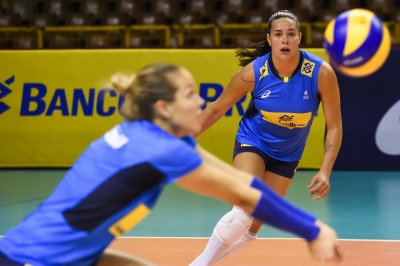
x=281 y=112
x=111 y=187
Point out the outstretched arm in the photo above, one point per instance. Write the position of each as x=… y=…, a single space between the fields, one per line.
x=253 y=196
x=241 y=83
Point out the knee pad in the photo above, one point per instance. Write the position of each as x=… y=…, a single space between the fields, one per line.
x=232 y=226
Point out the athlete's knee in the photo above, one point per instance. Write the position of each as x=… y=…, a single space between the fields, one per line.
x=255 y=226
x=232 y=226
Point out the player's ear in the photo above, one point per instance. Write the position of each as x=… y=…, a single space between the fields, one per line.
x=300 y=35
x=268 y=39
x=162 y=109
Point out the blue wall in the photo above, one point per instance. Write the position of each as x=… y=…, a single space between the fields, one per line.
x=365 y=102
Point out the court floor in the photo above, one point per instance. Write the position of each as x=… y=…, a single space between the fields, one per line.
x=363 y=207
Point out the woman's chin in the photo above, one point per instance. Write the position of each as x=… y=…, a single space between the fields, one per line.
x=196 y=130
x=192 y=131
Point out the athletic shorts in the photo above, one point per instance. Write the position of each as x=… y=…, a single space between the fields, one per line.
x=8 y=262
x=286 y=169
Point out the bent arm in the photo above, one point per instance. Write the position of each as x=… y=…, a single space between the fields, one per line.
x=241 y=83
x=215 y=161
x=217 y=179
x=252 y=195
x=330 y=97
x=233 y=188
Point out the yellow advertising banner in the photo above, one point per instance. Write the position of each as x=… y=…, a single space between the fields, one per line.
x=54 y=103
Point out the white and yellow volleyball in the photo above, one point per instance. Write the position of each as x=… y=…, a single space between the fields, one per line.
x=357 y=42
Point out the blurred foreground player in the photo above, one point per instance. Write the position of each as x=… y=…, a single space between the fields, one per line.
x=117 y=180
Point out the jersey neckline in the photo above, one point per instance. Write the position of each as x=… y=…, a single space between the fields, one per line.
x=275 y=73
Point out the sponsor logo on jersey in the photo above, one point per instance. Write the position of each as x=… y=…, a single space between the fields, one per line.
x=287 y=120
x=266 y=94
x=305 y=95
x=264 y=70
x=307 y=68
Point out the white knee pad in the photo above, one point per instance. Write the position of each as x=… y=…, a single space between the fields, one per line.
x=232 y=226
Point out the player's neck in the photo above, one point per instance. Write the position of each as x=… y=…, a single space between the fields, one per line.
x=285 y=68
x=169 y=127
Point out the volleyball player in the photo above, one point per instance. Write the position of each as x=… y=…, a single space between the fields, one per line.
x=287 y=85
x=117 y=180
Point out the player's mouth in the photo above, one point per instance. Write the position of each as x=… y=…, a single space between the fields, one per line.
x=285 y=50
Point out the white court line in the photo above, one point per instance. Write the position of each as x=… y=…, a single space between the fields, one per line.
x=261 y=238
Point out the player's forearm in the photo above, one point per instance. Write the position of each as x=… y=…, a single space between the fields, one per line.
x=209 y=117
x=274 y=210
x=333 y=142
x=215 y=161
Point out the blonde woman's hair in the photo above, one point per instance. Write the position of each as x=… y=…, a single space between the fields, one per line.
x=143 y=89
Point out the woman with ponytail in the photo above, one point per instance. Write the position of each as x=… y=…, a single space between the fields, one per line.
x=287 y=85
x=117 y=180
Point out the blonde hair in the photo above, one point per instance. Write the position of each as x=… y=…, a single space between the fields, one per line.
x=144 y=89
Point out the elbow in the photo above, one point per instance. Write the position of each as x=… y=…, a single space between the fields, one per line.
x=338 y=130
x=212 y=112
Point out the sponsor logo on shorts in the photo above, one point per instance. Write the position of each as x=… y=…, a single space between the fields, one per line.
x=244 y=145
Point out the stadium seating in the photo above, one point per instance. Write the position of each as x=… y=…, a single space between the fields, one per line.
x=74 y=24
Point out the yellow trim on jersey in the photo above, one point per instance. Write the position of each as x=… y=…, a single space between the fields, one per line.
x=287 y=120
x=130 y=220
x=307 y=68
x=264 y=70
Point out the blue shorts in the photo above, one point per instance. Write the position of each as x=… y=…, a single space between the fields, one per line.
x=285 y=169
x=8 y=262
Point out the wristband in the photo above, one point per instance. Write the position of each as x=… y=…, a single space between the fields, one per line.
x=274 y=210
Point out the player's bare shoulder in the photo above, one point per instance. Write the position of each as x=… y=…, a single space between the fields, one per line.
x=244 y=78
x=327 y=79
x=326 y=70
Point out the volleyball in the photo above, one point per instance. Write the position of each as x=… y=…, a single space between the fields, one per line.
x=357 y=42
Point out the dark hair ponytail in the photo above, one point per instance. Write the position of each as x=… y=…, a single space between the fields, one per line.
x=247 y=52
x=250 y=51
